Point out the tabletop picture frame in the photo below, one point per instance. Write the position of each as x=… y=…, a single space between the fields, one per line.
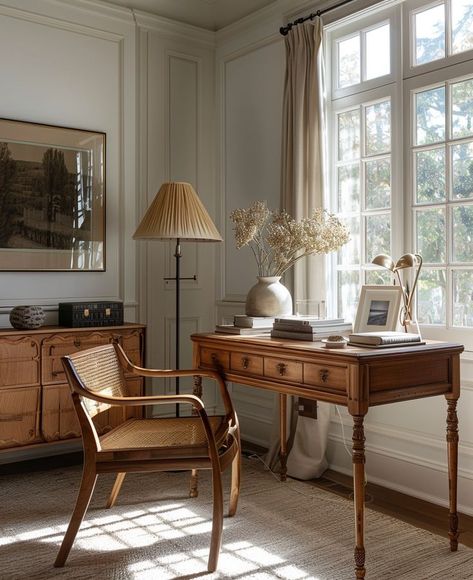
x=378 y=309
x=52 y=198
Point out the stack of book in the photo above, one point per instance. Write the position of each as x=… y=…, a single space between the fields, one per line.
x=247 y=325
x=384 y=339
x=309 y=327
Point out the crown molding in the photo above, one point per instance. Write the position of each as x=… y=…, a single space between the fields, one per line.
x=174 y=29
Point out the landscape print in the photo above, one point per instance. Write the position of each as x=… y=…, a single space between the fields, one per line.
x=51 y=206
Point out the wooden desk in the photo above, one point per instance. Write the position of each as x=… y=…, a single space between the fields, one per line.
x=355 y=377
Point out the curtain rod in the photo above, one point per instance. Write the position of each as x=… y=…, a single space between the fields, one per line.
x=285 y=29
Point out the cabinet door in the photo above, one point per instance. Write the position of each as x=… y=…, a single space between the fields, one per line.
x=58 y=416
x=19 y=361
x=19 y=416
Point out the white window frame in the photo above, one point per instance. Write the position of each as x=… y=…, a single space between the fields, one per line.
x=402 y=81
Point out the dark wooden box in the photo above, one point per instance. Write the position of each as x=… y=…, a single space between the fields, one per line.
x=84 y=314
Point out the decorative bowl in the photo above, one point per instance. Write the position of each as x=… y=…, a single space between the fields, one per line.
x=335 y=342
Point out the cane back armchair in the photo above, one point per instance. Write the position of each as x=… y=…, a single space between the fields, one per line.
x=97 y=380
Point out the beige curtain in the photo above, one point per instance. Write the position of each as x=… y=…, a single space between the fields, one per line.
x=302 y=187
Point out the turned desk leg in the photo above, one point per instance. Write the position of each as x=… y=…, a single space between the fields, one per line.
x=283 y=435
x=452 y=451
x=194 y=482
x=358 y=459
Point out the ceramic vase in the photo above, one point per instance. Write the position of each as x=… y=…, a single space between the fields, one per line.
x=27 y=317
x=268 y=297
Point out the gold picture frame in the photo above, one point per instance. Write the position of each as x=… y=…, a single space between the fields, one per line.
x=52 y=198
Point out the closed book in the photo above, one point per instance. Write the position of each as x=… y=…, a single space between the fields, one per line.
x=309 y=336
x=332 y=328
x=244 y=321
x=297 y=320
x=384 y=338
x=232 y=329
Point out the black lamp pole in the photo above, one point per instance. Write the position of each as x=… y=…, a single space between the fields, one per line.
x=178 y=256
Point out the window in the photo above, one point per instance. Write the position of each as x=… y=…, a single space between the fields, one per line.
x=401 y=153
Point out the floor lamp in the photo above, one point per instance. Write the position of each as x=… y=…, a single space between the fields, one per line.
x=176 y=213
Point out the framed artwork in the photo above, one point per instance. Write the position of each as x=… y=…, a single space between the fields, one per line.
x=378 y=309
x=52 y=198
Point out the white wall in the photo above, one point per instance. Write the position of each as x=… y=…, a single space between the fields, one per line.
x=74 y=67
x=405 y=442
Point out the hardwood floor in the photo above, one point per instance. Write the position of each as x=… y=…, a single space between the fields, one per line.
x=409 y=509
x=417 y=512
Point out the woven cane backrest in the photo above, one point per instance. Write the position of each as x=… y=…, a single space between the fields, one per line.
x=100 y=372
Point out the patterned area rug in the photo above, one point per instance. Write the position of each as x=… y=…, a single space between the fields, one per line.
x=288 y=531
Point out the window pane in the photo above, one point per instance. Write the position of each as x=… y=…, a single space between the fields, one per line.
x=430 y=176
x=431 y=235
x=378 y=277
x=378 y=184
x=378 y=52
x=463 y=297
x=349 y=254
x=378 y=128
x=349 y=61
x=462 y=25
x=378 y=235
x=431 y=296
x=349 y=135
x=430 y=34
x=462 y=109
x=348 y=188
x=462 y=170
x=430 y=116
x=462 y=226
x=349 y=291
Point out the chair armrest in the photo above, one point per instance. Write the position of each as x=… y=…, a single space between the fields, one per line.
x=140 y=371
x=138 y=401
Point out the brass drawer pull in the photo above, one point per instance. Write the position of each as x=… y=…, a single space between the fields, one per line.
x=281 y=369
x=245 y=362
x=324 y=374
x=76 y=342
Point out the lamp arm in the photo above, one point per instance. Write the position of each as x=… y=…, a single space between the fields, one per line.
x=419 y=266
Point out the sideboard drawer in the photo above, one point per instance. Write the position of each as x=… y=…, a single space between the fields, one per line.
x=333 y=377
x=248 y=363
x=215 y=358
x=19 y=362
x=278 y=368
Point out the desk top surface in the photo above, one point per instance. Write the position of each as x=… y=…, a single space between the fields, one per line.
x=308 y=347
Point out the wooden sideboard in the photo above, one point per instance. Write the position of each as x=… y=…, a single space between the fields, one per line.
x=35 y=401
x=355 y=377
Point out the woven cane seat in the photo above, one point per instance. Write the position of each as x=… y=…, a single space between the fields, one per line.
x=166 y=433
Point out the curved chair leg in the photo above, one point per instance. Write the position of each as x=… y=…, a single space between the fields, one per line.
x=235 y=489
x=112 y=498
x=89 y=478
x=194 y=484
x=217 y=520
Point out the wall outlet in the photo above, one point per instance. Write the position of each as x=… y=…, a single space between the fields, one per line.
x=307 y=408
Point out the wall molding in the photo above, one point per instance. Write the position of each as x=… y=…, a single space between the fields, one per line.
x=407 y=436
x=173 y=29
x=61 y=24
x=379 y=463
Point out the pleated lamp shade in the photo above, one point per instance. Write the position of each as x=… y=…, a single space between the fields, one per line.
x=177 y=212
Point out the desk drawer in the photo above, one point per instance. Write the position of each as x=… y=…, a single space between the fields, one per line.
x=247 y=363
x=329 y=376
x=215 y=358
x=278 y=368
